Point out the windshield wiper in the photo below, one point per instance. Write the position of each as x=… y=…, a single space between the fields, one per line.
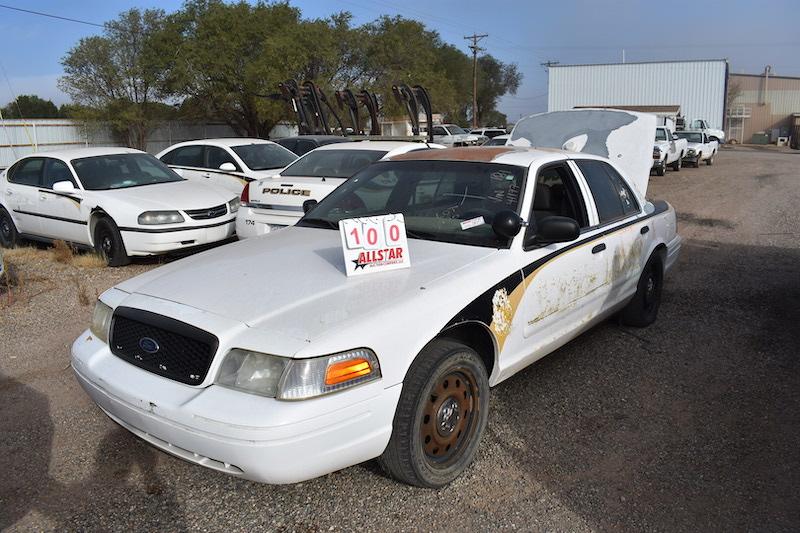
x=318 y=223
x=421 y=235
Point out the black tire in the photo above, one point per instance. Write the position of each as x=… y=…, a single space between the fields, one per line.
x=661 y=170
x=710 y=160
x=9 y=237
x=697 y=161
x=108 y=243
x=642 y=310
x=440 y=417
x=676 y=166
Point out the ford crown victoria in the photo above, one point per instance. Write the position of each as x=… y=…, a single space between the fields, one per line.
x=291 y=369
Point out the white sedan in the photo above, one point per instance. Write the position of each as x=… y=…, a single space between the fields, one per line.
x=120 y=201
x=229 y=163
x=277 y=201
x=291 y=369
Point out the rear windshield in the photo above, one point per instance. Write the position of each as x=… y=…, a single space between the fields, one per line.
x=264 y=156
x=661 y=135
x=119 y=171
x=332 y=163
x=691 y=137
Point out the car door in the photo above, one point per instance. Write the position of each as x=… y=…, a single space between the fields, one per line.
x=60 y=212
x=673 y=150
x=22 y=194
x=232 y=180
x=615 y=205
x=440 y=135
x=565 y=283
x=189 y=160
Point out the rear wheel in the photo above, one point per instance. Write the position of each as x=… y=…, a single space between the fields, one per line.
x=108 y=243
x=440 y=417
x=642 y=310
x=710 y=160
x=8 y=231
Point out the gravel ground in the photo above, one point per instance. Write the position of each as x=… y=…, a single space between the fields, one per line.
x=689 y=425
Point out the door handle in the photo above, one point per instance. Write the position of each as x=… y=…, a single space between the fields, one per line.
x=644 y=230
x=207 y=175
x=599 y=248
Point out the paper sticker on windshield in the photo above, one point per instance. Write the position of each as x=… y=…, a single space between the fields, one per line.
x=373 y=244
x=472 y=223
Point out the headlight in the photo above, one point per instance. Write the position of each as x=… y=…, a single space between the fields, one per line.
x=297 y=379
x=690 y=151
x=656 y=150
x=152 y=218
x=233 y=205
x=101 y=321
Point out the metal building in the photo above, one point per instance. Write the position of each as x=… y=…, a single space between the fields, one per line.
x=762 y=107
x=697 y=87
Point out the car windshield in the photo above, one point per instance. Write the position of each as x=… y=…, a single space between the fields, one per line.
x=455 y=130
x=448 y=201
x=691 y=137
x=264 y=156
x=661 y=135
x=697 y=124
x=496 y=141
x=119 y=171
x=332 y=163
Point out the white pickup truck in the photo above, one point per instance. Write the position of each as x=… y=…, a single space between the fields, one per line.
x=298 y=370
x=668 y=151
x=714 y=134
x=699 y=147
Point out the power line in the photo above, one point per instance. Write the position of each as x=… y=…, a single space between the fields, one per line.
x=49 y=15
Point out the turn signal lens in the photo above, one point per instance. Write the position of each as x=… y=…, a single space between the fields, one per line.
x=347 y=370
x=245 y=198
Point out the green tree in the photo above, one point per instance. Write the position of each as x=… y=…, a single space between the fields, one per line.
x=495 y=79
x=115 y=78
x=30 y=106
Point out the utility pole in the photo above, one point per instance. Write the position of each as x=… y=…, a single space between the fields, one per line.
x=549 y=63
x=475 y=38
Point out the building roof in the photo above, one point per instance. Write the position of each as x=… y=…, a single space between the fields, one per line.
x=670 y=109
x=641 y=63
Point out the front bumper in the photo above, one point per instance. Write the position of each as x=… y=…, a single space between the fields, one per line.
x=154 y=240
x=242 y=434
x=254 y=222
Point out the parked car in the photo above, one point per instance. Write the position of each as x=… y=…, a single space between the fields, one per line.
x=714 y=134
x=303 y=144
x=488 y=132
x=698 y=147
x=120 y=201
x=498 y=140
x=273 y=203
x=452 y=135
x=668 y=151
x=296 y=370
x=227 y=163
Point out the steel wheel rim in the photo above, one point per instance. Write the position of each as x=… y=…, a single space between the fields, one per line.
x=650 y=289
x=450 y=416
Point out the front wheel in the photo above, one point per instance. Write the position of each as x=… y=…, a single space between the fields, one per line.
x=676 y=166
x=642 y=310
x=710 y=160
x=661 y=170
x=108 y=243
x=440 y=417
x=8 y=231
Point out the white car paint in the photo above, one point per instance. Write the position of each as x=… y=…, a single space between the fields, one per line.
x=668 y=149
x=215 y=152
x=277 y=201
x=40 y=212
x=291 y=298
x=698 y=146
x=498 y=140
x=713 y=133
x=452 y=135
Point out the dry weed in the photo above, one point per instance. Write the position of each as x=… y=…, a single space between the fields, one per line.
x=62 y=252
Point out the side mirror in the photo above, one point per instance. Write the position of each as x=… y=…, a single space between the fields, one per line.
x=506 y=224
x=308 y=205
x=63 y=186
x=228 y=167
x=556 y=229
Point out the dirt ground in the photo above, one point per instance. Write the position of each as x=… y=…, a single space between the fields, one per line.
x=691 y=424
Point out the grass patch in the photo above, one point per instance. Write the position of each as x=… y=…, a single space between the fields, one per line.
x=61 y=252
x=89 y=260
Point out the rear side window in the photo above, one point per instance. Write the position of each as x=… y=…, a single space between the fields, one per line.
x=626 y=197
x=27 y=172
x=612 y=202
x=304 y=146
x=185 y=156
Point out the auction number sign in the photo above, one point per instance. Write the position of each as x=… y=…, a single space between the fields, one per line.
x=374 y=244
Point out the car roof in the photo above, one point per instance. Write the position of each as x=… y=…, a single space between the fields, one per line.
x=77 y=153
x=318 y=138
x=223 y=141
x=383 y=146
x=690 y=131
x=511 y=155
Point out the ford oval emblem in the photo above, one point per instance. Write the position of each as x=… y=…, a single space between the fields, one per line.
x=148 y=345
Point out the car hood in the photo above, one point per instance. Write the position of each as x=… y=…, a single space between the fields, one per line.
x=692 y=145
x=179 y=195
x=292 y=282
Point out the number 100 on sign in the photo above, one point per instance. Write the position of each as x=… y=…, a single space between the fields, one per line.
x=374 y=244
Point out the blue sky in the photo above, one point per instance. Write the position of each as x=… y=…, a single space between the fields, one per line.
x=749 y=34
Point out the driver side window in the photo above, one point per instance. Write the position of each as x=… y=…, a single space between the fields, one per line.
x=557 y=194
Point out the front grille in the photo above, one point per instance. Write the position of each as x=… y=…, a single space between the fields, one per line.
x=205 y=214
x=162 y=345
